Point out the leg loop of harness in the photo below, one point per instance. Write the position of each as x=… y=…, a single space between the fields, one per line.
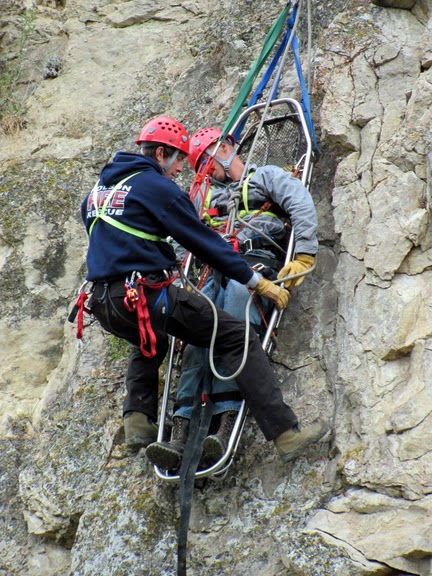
x=135 y=299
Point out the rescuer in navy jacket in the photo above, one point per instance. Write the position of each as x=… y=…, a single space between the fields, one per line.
x=129 y=214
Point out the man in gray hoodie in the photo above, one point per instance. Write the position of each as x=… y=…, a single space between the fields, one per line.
x=272 y=201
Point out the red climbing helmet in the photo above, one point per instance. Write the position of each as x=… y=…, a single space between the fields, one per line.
x=200 y=141
x=165 y=130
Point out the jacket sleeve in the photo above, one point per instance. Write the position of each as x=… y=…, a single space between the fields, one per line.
x=181 y=221
x=294 y=198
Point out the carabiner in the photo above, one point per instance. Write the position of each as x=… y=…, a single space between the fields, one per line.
x=131 y=298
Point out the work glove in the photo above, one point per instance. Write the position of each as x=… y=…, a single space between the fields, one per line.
x=301 y=263
x=275 y=293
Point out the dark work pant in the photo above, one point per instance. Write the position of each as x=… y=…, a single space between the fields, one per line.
x=190 y=318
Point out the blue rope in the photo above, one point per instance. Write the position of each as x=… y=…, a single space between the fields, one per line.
x=305 y=96
x=261 y=86
x=305 y=103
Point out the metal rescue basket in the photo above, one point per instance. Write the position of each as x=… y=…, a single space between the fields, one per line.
x=283 y=139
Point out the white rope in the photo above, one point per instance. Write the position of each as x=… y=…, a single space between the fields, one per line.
x=280 y=281
x=309 y=81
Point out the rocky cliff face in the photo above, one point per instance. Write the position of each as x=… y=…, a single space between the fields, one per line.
x=356 y=341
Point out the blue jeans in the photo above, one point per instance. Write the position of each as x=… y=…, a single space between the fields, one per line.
x=195 y=366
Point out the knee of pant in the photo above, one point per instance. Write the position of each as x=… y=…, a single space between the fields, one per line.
x=193 y=357
x=237 y=290
x=220 y=386
x=236 y=298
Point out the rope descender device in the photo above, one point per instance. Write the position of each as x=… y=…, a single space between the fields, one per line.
x=132 y=296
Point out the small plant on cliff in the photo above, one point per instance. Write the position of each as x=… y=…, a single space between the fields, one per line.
x=12 y=72
x=119 y=350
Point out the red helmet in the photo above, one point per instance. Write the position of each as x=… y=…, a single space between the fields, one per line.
x=165 y=130
x=200 y=141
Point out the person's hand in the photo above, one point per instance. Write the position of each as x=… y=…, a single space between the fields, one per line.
x=275 y=293
x=301 y=263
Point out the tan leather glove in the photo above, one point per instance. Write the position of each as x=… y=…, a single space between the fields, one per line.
x=275 y=293
x=301 y=263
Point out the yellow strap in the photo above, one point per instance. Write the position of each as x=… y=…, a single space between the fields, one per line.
x=208 y=198
x=242 y=213
x=131 y=230
x=101 y=214
x=209 y=220
x=245 y=192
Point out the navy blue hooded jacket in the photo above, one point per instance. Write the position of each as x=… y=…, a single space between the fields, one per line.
x=154 y=204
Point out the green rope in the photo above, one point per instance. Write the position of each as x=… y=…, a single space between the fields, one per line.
x=271 y=38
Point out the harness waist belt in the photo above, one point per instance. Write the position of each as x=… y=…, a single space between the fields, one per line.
x=158 y=275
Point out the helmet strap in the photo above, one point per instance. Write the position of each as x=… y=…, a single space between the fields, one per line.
x=224 y=163
x=171 y=160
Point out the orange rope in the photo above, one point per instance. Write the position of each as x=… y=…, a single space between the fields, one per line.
x=202 y=177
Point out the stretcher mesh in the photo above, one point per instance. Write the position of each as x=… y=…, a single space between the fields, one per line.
x=281 y=140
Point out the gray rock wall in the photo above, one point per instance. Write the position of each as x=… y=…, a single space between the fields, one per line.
x=376 y=111
x=356 y=340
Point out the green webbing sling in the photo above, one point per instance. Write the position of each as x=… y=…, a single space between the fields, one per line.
x=246 y=87
x=101 y=213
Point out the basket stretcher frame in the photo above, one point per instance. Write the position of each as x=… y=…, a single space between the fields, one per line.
x=219 y=470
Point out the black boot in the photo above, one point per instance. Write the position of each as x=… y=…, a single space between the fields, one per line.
x=168 y=455
x=214 y=446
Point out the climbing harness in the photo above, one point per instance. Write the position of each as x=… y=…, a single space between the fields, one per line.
x=135 y=299
x=102 y=215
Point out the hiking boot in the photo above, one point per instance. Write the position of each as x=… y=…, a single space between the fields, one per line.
x=292 y=443
x=168 y=455
x=140 y=431
x=215 y=446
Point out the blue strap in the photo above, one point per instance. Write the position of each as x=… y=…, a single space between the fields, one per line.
x=163 y=294
x=259 y=90
x=305 y=96
x=267 y=75
x=265 y=79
